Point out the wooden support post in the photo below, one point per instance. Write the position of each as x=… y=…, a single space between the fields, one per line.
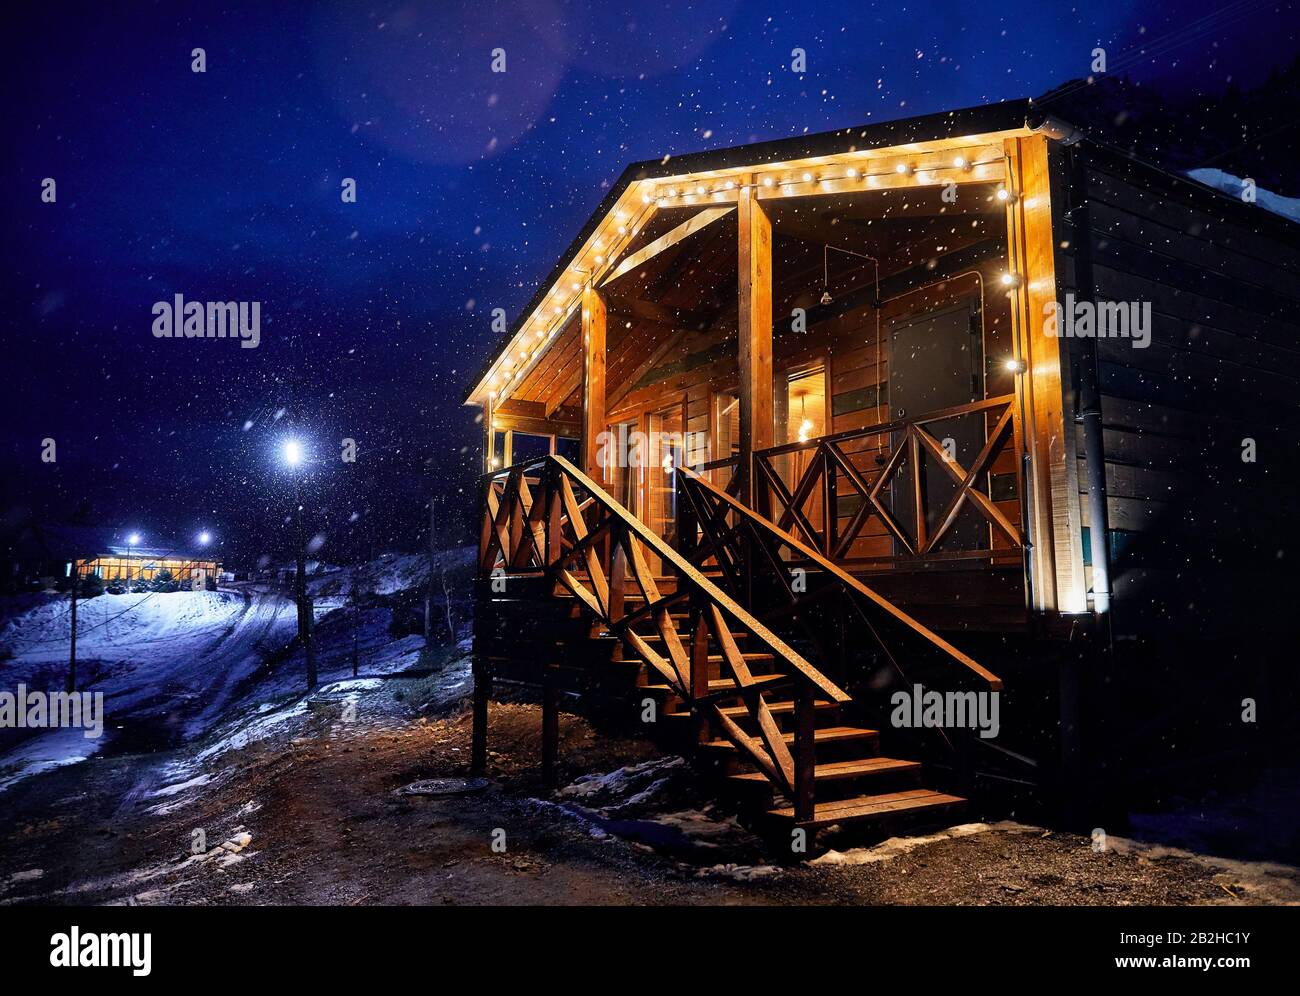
x=593 y=380
x=700 y=669
x=550 y=725
x=489 y=437
x=755 y=338
x=688 y=526
x=805 y=759
x=478 y=736
x=1056 y=557
x=830 y=503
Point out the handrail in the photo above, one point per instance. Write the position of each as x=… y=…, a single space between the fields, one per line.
x=689 y=572
x=551 y=531
x=938 y=415
x=756 y=520
x=828 y=464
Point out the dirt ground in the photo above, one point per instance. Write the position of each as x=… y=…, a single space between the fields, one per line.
x=316 y=816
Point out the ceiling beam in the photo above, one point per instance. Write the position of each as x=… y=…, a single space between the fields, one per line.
x=683 y=231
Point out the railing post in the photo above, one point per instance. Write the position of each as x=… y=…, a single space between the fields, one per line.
x=550 y=725
x=482 y=693
x=616 y=571
x=805 y=759
x=830 y=502
x=918 y=485
x=687 y=526
x=699 y=670
x=551 y=495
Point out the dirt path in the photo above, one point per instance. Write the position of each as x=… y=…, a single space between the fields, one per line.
x=314 y=816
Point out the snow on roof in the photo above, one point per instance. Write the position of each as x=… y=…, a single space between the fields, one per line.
x=1217 y=179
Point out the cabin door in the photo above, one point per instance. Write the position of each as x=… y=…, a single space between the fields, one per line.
x=801 y=415
x=936 y=361
x=665 y=453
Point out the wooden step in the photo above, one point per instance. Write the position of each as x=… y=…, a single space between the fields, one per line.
x=782 y=708
x=720 y=684
x=840 y=770
x=718 y=659
x=869 y=808
x=826 y=735
x=657 y=637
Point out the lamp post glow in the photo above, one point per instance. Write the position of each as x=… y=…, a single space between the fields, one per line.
x=294 y=454
x=131 y=541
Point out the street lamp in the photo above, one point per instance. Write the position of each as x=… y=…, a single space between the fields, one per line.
x=294 y=455
x=204 y=539
x=131 y=540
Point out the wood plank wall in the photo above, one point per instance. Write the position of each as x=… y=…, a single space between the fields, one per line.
x=1187 y=515
x=704 y=364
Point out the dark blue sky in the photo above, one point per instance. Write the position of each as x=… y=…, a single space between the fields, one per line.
x=225 y=186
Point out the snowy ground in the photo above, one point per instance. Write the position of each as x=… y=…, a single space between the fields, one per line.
x=172 y=666
x=358 y=793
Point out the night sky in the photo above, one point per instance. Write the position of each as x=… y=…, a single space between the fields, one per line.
x=225 y=185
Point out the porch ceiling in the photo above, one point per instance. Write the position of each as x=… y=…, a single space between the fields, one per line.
x=911 y=160
x=691 y=286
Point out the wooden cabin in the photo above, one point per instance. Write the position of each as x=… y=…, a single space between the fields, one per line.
x=794 y=423
x=42 y=556
x=145 y=564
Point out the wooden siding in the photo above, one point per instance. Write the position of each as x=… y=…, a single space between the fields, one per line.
x=1187 y=514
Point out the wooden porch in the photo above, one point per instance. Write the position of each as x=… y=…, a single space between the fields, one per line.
x=568 y=601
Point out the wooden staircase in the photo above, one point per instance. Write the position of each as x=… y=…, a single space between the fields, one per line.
x=852 y=781
x=731 y=693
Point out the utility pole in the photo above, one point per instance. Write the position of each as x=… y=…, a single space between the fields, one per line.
x=72 y=646
x=300 y=586
x=355 y=595
x=428 y=588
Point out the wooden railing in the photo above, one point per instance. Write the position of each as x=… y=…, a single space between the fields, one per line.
x=803 y=483
x=782 y=578
x=547 y=517
x=723 y=526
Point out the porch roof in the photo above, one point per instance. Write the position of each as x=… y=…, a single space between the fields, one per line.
x=556 y=301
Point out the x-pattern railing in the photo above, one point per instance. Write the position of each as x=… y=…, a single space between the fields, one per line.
x=548 y=517
x=744 y=545
x=829 y=465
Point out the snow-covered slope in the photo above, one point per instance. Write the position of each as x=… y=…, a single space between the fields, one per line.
x=174 y=666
